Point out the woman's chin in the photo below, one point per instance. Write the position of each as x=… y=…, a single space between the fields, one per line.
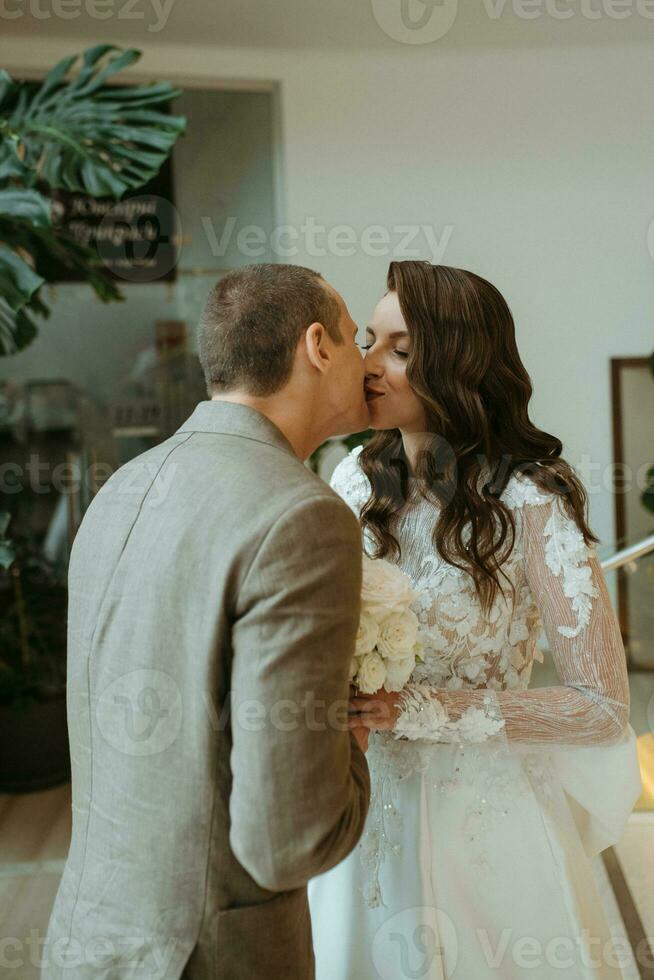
x=377 y=417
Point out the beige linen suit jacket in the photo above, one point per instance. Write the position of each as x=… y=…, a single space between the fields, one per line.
x=213 y=606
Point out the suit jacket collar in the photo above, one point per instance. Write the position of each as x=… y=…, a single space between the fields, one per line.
x=233 y=419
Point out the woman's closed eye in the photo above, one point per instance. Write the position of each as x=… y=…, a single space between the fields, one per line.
x=400 y=353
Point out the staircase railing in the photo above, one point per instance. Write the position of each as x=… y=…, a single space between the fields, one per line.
x=632 y=553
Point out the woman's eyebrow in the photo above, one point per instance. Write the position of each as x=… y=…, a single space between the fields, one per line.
x=397 y=333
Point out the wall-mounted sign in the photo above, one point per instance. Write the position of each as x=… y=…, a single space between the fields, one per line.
x=135 y=239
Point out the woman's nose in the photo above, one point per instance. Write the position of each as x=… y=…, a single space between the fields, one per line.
x=370 y=368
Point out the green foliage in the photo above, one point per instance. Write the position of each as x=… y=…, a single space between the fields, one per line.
x=7 y=553
x=32 y=621
x=349 y=442
x=74 y=133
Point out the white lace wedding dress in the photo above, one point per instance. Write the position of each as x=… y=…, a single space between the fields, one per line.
x=489 y=801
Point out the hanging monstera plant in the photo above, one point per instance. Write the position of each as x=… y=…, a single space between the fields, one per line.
x=76 y=133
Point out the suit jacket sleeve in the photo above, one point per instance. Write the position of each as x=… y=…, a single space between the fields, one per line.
x=301 y=788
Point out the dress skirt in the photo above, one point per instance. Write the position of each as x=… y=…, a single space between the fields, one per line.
x=472 y=865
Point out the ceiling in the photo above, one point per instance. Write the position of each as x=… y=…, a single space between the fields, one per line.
x=350 y=24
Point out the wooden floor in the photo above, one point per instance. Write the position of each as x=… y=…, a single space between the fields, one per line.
x=34 y=837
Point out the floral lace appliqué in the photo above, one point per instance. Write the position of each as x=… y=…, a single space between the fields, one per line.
x=422 y=716
x=567 y=554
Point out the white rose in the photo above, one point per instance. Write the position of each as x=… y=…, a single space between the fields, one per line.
x=372 y=674
x=354 y=666
x=398 y=634
x=367 y=634
x=398 y=672
x=385 y=587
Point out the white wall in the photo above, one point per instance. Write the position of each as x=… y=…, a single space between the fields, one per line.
x=540 y=160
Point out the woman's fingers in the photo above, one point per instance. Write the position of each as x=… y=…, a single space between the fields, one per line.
x=372 y=714
x=361 y=721
x=377 y=707
x=362 y=704
x=375 y=723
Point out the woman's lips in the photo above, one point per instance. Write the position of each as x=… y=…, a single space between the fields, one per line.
x=372 y=395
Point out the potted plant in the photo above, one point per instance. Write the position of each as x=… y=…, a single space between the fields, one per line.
x=33 y=733
x=74 y=132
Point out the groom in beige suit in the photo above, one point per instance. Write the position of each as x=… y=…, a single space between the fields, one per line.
x=213 y=606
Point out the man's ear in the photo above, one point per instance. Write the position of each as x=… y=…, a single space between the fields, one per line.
x=317 y=345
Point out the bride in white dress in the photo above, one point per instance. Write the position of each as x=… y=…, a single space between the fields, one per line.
x=488 y=799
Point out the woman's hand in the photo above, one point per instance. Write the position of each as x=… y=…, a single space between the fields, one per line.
x=376 y=712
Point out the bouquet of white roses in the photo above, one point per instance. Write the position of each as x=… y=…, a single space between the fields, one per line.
x=387 y=646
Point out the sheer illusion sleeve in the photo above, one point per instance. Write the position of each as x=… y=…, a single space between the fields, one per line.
x=350 y=482
x=590 y=706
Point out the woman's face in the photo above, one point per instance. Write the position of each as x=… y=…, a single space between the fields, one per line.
x=392 y=402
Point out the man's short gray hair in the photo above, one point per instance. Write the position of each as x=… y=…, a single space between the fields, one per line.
x=253 y=321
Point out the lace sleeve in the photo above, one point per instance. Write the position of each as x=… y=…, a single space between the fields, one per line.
x=591 y=704
x=350 y=482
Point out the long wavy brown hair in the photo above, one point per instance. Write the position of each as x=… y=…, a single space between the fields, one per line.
x=465 y=368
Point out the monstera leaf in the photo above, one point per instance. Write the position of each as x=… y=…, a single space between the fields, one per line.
x=19 y=280
x=74 y=132
x=81 y=135
x=42 y=253
x=26 y=206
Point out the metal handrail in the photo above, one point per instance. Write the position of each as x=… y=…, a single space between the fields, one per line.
x=631 y=553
